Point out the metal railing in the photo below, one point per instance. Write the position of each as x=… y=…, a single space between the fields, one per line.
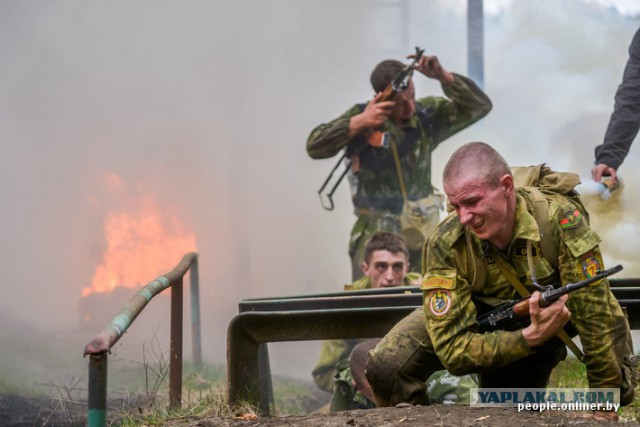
x=344 y=315
x=100 y=346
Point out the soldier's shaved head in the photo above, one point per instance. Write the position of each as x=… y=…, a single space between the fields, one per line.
x=478 y=158
x=479 y=187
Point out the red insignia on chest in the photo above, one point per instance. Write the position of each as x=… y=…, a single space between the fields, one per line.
x=572 y=219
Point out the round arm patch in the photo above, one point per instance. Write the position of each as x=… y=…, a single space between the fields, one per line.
x=439 y=301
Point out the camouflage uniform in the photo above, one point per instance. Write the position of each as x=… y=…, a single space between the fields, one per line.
x=377 y=197
x=345 y=396
x=442 y=388
x=446 y=388
x=334 y=351
x=333 y=372
x=408 y=354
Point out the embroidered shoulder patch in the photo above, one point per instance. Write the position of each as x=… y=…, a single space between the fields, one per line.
x=439 y=301
x=437 y=282
x=573 y=219
x=590 y=264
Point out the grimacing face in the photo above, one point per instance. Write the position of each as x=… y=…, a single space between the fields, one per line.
x=485 y=209
x=386 y=269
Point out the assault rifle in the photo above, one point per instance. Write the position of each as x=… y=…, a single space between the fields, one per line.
x=377 y=138
x=519 y=309
x=374 y=137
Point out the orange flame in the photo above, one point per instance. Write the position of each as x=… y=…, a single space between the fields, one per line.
x=141 y=246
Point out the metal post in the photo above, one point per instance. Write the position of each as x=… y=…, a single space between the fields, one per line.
x=196 y=344
x=105 y=340
x=175 y=352
x=266 y=386
x=404 y=23
x=97 y=415
x=475 y=42
x=250 y=329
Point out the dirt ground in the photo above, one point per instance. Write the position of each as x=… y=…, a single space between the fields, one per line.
x=435 y=415
x=18 y=412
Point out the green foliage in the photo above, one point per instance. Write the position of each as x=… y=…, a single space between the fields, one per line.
x=203 y=395
x=570 y=373
x=632 y=412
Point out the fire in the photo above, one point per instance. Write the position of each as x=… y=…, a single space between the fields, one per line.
x=142 y=244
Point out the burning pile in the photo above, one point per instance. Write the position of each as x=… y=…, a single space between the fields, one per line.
x=143 y=243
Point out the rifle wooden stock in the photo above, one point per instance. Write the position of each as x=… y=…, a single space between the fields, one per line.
x=521 y=309
x=375 y=138
x=398 y=84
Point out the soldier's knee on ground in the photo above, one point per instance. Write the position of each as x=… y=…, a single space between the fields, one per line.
x=379 y=376
x=400 y=364
x=388 y=384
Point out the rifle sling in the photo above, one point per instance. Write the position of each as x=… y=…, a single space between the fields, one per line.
x=522 y=290
x=424 y=131
x=396 y=158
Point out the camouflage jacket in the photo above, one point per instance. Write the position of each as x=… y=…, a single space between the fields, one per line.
x=333 y=351
x=449 y=298
x=436 y=119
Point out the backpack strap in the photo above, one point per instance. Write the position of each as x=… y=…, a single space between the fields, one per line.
x=541 y=214
x=476 y=269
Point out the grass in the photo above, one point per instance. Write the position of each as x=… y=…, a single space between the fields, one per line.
x=31 y=361
x=138 y=390
x=204 y=396
x=143 y=390
x=571 y=373
x=53 y=374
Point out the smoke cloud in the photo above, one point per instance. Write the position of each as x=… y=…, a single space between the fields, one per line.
x=206 y=106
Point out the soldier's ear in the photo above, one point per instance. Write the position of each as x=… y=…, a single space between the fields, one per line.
x=506 y=182
x=365 y=268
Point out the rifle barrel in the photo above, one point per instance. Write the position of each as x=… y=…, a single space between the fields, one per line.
x=550 y=296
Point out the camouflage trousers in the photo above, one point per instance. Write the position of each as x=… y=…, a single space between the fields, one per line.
x=442 y=388
x=399 y=366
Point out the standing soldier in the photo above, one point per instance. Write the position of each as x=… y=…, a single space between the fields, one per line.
x=415 y=128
